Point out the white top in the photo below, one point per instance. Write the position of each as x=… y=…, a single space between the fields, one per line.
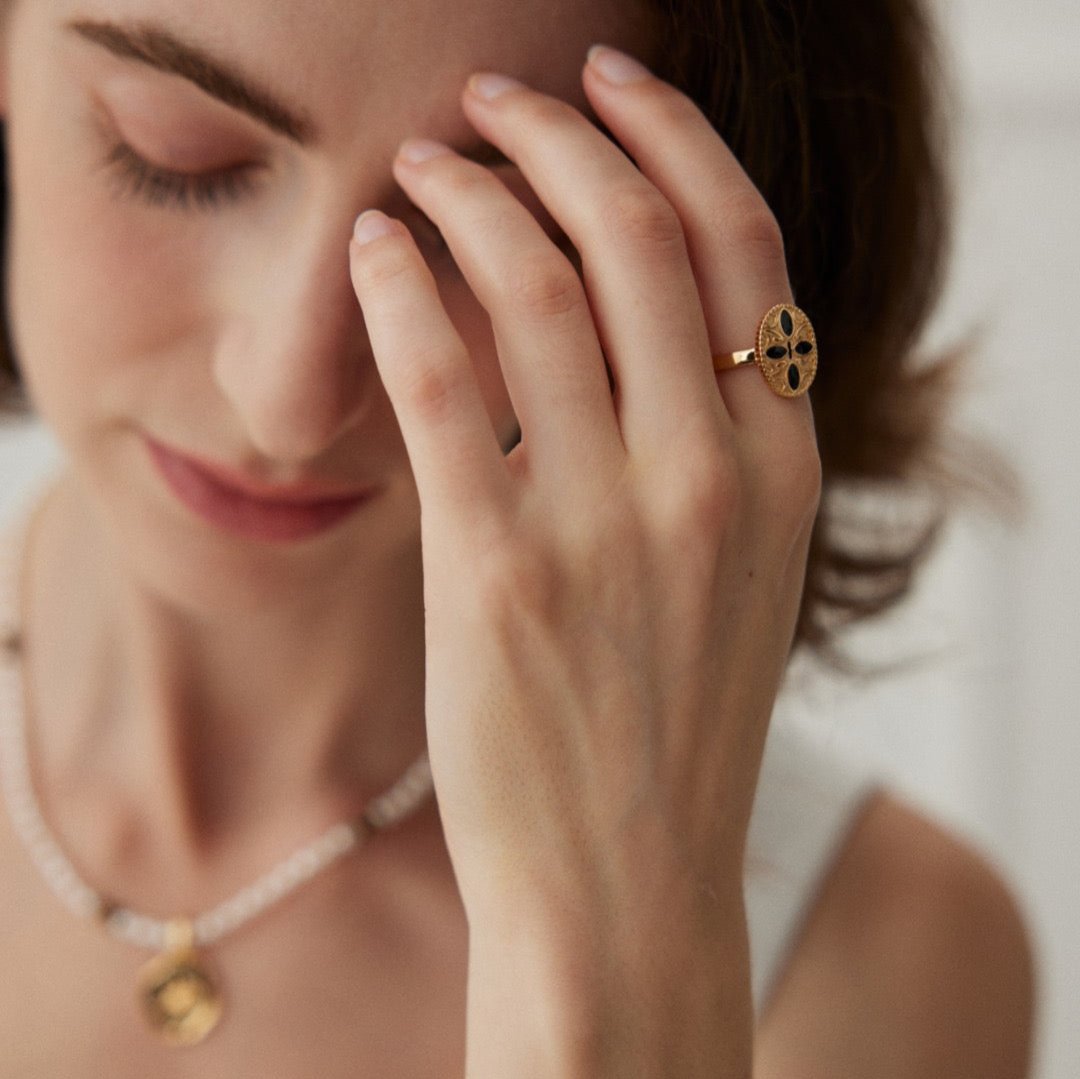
x=808 y=798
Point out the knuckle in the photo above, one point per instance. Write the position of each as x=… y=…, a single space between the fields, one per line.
x=813 y=474
x=514 y=581
x=753 y=225
x=640 y=215
x=710 y=492
x=492 y=221
x=432 y=386
x=796 y=479
x=383 y=264
x=548 y=112
x=806 y=477
x=543 y=287
x=675 y=108
x=463 y=178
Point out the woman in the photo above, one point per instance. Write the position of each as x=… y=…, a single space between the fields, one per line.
x=503 y=506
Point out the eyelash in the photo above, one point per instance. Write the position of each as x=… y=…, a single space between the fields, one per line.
x=163 y=187
x=202 y=191
x=209 y=190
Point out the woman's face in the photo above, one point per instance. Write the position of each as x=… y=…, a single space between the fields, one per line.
x=215 y=312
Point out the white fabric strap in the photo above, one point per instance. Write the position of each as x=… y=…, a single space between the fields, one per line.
x=809 y=796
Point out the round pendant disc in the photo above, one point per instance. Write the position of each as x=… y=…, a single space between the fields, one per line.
x=179 y=998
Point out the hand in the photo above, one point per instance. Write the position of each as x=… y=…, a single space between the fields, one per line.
x=610 y=607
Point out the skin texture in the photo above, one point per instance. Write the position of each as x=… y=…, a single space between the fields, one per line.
x=633 y=570
x=237 y=335
x=562 y=625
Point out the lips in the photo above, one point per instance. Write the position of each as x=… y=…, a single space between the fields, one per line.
x=252 y=508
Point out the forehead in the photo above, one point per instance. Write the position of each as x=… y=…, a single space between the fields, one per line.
x=344 y=61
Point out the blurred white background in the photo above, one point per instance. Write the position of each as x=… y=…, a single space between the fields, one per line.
x=987 y=734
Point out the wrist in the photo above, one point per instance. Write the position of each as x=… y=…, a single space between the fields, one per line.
x=571 y=990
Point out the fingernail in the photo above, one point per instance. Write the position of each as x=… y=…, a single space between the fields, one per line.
x=616 y=67
x=490 y=86
x=370 y=225
x=420 y=150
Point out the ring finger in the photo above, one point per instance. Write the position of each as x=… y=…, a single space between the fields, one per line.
x=735 y=245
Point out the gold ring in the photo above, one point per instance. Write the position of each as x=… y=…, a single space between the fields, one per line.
x=786 y=351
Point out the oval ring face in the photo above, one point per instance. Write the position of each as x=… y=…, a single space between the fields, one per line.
x=787 y=350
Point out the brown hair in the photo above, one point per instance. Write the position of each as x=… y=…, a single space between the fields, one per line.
x=838 y=113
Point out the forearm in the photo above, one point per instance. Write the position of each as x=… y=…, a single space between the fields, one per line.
x=572 y=995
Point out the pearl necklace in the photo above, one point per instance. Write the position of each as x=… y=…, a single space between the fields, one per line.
x=180 y=998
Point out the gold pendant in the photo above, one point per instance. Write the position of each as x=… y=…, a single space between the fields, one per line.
x=179 y=998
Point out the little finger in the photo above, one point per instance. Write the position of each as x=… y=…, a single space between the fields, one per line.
x=736 y=247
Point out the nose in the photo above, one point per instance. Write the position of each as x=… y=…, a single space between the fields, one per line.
x=291 y=354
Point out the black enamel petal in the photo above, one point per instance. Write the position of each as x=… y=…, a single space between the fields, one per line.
x=786 y=323
x=777 y=352
x=793 y=377
x=804 y=348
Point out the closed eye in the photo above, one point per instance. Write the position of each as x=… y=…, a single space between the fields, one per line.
x=139 y=178
x=211 y=190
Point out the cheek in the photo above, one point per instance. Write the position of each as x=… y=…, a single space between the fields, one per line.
x=95 y=286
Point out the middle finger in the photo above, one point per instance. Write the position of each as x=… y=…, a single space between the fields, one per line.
x=544 y=332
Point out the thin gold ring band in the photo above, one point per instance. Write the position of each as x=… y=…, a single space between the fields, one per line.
x=725 y=361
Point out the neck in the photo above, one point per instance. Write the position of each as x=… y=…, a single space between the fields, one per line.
x=200 y=716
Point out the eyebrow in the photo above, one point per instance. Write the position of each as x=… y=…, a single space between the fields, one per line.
x=159 y=48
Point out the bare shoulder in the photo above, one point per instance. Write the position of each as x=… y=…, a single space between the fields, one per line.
x=914 y=962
